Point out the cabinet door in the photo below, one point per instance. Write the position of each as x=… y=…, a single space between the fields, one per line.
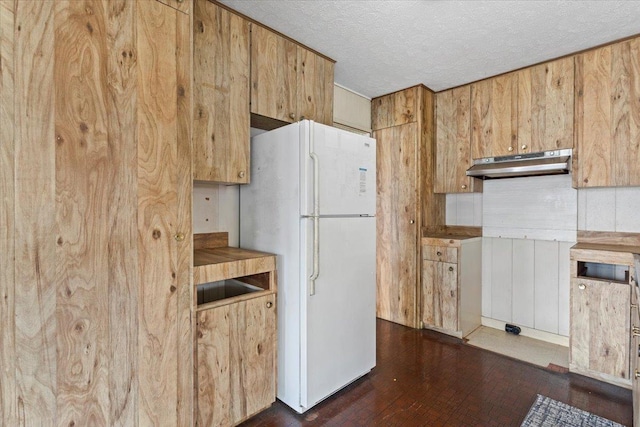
x=395 y=109
x=494 y=116
x=236 y=361
x=453 y=142
x=397 y=224
x=163 y=218
x=545 y=106
x=221 y=99
x=273 y=75
x=600 y=327
x=315 y=87
x=608 y=116
x=440 y=295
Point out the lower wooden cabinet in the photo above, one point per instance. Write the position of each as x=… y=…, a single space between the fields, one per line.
x=451 y=284
x=600 y=308
x=236 y=360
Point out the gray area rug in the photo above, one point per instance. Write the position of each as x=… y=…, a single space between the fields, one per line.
x=548 y=412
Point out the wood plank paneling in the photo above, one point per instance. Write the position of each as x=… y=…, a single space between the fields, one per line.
x=8 y=407
x=35 y=298
x=159 y=164
x=184 y=270
x=397 y=236
x=123 y=206
x=273 y=75
x=83 y=184
x=221 y=74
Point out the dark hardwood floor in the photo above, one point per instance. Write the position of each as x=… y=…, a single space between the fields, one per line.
x=423 y=378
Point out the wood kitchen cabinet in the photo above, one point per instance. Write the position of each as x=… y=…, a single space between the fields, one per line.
x=600 y=313
x=545 y=106
x=221 y=70
x=100 y=160
x=634 y=354
x=607 y=110
x=494 y=116
x=288 y=82
x=236 y=337
x=406 y=203
x=236 y=348
x=451 y=285
x=453 y=142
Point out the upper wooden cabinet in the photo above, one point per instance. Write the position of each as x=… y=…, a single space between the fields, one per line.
x=288 y=82
x=395 y=109
x=494 y=116
x=607 y=112
x=545 y=106
x=453 y=142
x=526 y=111
x=221 y=77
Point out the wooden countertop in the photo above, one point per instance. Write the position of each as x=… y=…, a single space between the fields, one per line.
x=221 y=262
x=445 y=239
x=605 y=247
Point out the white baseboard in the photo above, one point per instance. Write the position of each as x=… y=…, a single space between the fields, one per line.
x=529 y=332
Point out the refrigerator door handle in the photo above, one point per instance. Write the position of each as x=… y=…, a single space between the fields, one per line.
x=316 y=215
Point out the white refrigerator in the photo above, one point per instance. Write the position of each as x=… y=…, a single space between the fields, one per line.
x=312 y=201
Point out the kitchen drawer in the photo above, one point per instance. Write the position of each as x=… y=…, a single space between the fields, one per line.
x=440 y=253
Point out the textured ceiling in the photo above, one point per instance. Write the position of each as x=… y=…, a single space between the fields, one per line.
x=385 y=45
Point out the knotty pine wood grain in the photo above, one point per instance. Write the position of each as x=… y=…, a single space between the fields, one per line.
x=221 y=75
x=600 y=329
x=8 y=407
x=395 y=109
x=432 y=206
x=236 y=347
x=397 y=238
x=625 y=80
x=273 y=75
x=545 y=106
x=159 y=164
x=453 y=142
x=83 y=184
x=315 y=87
x=123 y=205
x=609 y=237
x=35 y=298
x=186 y=321
x=494 y=116
x=592 y=167
x=183 y=6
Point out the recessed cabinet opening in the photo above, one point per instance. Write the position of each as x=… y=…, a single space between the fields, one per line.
x=223 y=289
x=608 y=272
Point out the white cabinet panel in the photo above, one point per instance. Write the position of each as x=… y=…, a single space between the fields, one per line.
x=487 y=262
x=523 y=282
x=564 y=285
x=501 y=283
x=546 y=286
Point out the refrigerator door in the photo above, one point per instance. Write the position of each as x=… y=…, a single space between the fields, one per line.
x=339 y=342
x=346 y=171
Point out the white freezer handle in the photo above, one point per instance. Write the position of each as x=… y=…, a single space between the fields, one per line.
x=315 y=215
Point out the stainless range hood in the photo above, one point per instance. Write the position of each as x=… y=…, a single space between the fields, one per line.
x=530 y=164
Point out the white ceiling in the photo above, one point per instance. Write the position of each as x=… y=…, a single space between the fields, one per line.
x=385 y=45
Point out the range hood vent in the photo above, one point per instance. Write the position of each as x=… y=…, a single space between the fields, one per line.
x=531 y=164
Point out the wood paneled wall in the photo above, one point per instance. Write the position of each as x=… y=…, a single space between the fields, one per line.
x=94 y=157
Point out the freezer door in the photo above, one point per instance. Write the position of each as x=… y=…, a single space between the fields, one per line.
x=339 y=342
x=346 y=170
